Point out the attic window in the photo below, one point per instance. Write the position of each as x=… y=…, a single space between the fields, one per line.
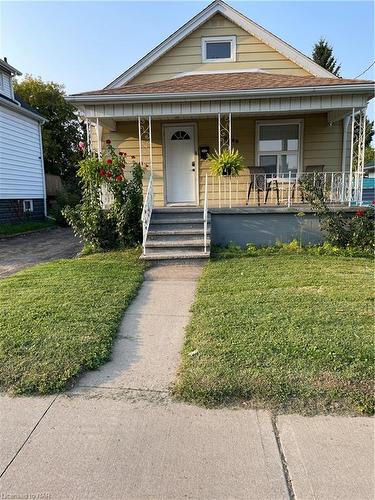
x=218 y=48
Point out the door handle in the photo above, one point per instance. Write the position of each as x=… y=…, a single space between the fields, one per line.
x=193 y=163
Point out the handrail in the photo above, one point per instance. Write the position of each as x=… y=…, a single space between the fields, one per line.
x=205 y=213
x=147 y=211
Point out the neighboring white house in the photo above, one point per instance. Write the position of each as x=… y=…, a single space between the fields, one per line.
x=22 y=181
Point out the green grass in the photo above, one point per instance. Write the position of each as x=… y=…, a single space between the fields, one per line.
x=59 y=319
x=11 y=229
x=290 y=332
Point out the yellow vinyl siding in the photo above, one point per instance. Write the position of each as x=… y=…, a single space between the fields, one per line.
x=187 y=55
x=322 y=145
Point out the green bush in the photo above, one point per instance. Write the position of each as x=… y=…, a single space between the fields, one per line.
x=232 y=250
x=342 y=229
x=103 y=228
x=226 y=163
x=69 y=196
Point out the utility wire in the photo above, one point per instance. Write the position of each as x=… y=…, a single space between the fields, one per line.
x=363 y=72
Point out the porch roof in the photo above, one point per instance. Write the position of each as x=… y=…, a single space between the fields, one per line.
x=219 y=84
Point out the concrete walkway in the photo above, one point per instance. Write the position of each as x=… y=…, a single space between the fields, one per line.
x=118 y=434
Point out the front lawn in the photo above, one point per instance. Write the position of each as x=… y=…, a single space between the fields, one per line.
x=24 y=227
x=59 y=319
x=291 y=332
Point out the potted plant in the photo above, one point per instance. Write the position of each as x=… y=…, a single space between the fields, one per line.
x=226 y=163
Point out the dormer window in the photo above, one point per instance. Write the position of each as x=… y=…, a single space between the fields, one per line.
x=218 y=49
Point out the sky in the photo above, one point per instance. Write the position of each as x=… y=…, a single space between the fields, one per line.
x=85 y=45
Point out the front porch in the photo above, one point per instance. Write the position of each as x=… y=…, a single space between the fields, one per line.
x=279 y=150
x=320 y=138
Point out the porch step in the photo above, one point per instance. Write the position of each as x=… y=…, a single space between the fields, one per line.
x=176 y=243
x=177 y=220
x=175 y=256
x=177 y=234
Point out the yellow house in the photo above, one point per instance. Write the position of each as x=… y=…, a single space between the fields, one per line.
x=222 y=82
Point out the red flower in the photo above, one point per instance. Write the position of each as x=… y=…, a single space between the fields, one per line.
x=119 y=178
x=109 y=174
x=373 y=202
x=109 y=162
x=132 y=157
x=108 y=141
x=360 y=213
x=102 y=172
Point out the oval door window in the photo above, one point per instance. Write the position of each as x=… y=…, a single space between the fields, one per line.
x=180 y=135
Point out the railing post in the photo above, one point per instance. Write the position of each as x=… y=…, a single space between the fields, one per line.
x=205 y=214
x=147 y=212
x=289 y=186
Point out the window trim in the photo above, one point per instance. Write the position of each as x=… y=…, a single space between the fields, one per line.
x=299 y=122
x=31 y=206
x=232 y=39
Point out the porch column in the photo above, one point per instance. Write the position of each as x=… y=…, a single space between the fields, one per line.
x=224 y=131
x=357 y=155
x=145 y=134
x=99 y=131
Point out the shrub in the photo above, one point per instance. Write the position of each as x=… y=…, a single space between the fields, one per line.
x=119 y=224
x=226 y=163
x=69 y=196
x=341 y=229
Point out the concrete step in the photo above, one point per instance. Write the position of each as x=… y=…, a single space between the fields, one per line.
x=176 y=220
x=170 y=237
x=172 y=256
x=176 y=232
x=177 y=215
x=178 y=251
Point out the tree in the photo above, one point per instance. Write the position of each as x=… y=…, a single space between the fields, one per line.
x=62 y=132
x=323 y=55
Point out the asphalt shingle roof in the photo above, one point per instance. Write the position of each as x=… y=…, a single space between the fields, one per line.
x=221 y=82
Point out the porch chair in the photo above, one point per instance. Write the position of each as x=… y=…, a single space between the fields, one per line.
x=261 y=184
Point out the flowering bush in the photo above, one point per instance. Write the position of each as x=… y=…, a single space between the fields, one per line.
x=99 y=227
x=342 y=228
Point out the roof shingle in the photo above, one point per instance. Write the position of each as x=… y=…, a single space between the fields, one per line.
x=221 y=82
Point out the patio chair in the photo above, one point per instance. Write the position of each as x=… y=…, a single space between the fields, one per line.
x=260 y=183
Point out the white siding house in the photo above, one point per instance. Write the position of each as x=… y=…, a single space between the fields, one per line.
x=22 y=180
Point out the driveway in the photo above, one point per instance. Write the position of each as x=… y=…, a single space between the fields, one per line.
x=27 y=250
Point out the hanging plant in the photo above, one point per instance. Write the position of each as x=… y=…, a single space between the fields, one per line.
x=226 y=163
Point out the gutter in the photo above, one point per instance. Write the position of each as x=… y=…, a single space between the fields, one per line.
x=16 y=106
x=217 y=95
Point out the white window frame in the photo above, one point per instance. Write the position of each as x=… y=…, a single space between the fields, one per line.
x=31 y=206
x=232 y=39
x=300 y=123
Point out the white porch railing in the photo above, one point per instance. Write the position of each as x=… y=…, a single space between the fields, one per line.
x=147 y=211
x=283 y=189
x=205 y=213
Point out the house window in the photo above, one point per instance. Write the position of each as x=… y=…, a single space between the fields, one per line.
x=218 y=49
x=180 y=135
x=28 y=206
x=279 y=147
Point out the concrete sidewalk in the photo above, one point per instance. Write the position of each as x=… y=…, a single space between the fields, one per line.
x=118 y=434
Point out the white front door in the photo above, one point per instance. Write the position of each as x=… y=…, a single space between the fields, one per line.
x=180 y=167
